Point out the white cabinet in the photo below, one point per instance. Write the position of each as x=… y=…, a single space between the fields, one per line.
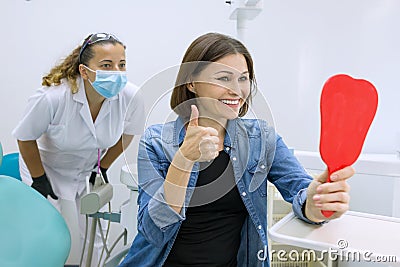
x=283 y=255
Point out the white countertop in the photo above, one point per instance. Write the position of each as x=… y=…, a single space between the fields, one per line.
x=371 y=235
x=128 y=176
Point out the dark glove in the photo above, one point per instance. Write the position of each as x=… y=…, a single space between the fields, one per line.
x=43 y=186
x=94 y=173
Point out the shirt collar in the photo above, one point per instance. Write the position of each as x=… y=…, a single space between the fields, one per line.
x=230 y=135
x=179 y=131
x=80 y=96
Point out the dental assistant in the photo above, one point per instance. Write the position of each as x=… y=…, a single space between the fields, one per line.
x=85 y=112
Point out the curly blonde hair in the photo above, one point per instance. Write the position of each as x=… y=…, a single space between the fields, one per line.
x=69 y=68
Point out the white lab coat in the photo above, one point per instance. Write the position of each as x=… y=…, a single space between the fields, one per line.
x=67 y=138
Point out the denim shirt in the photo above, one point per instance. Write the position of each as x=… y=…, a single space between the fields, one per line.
x=257 y=153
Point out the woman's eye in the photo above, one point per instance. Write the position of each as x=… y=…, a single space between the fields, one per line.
x=122 y=65
x=106 y=66
x=243 y=78
x=224 y=78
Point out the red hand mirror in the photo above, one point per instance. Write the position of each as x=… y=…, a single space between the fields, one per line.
x=348 y=107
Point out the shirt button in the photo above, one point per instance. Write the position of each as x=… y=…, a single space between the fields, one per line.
x=244 y=194
x=227 y=148
x=234 y=158
x=259 y=227
x=262 y=166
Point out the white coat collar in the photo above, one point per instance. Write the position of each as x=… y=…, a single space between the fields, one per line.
x=80 y=97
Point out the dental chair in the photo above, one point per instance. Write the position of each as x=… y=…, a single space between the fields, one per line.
x=32 y=232
x=10 y=166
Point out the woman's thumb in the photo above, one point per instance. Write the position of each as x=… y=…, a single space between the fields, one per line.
x=194 y=116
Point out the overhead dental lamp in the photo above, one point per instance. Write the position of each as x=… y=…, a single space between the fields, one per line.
x=242 y=11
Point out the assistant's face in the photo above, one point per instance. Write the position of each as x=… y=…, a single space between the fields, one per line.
x=109 y=57
x=222 y=87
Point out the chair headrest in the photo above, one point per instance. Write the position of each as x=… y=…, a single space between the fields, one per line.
x=1 y=154
x=33 y=232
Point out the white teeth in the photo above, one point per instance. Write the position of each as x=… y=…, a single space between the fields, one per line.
x=230 y=102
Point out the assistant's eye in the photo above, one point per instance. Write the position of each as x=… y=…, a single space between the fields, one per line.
x=243 y=78
x=122 y=65
x=106 y=66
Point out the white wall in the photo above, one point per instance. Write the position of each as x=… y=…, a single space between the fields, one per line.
x=296 y=46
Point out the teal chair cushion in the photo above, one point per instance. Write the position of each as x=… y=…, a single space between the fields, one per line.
x=1 y=154
x=10 y=166
x=32 y=231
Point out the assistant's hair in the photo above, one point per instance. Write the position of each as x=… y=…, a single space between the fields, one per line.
x=209 y=47
x=69 y=67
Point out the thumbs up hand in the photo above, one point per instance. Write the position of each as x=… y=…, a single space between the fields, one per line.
x=200 y=143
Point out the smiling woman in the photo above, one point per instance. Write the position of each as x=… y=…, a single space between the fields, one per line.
x=210 y=48
x=74 y=124
x=203 y=178
x=224 y=83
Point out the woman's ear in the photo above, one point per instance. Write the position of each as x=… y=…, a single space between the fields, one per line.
x=83 y=71
x=190 y=87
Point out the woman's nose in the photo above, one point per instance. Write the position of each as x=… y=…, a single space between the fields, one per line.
x=234 y=89
x=118 y=68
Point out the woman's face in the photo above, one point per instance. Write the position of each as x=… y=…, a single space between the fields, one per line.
x=109 y=57
x=222 y=87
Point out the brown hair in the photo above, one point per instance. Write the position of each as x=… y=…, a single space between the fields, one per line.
x=69 y=68
x=207 y=48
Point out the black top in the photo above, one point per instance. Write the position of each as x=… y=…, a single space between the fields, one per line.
x=210 y=235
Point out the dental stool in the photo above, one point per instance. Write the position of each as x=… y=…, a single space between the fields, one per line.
x=32 y=232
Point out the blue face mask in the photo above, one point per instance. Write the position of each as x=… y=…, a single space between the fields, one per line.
x=109 y=83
